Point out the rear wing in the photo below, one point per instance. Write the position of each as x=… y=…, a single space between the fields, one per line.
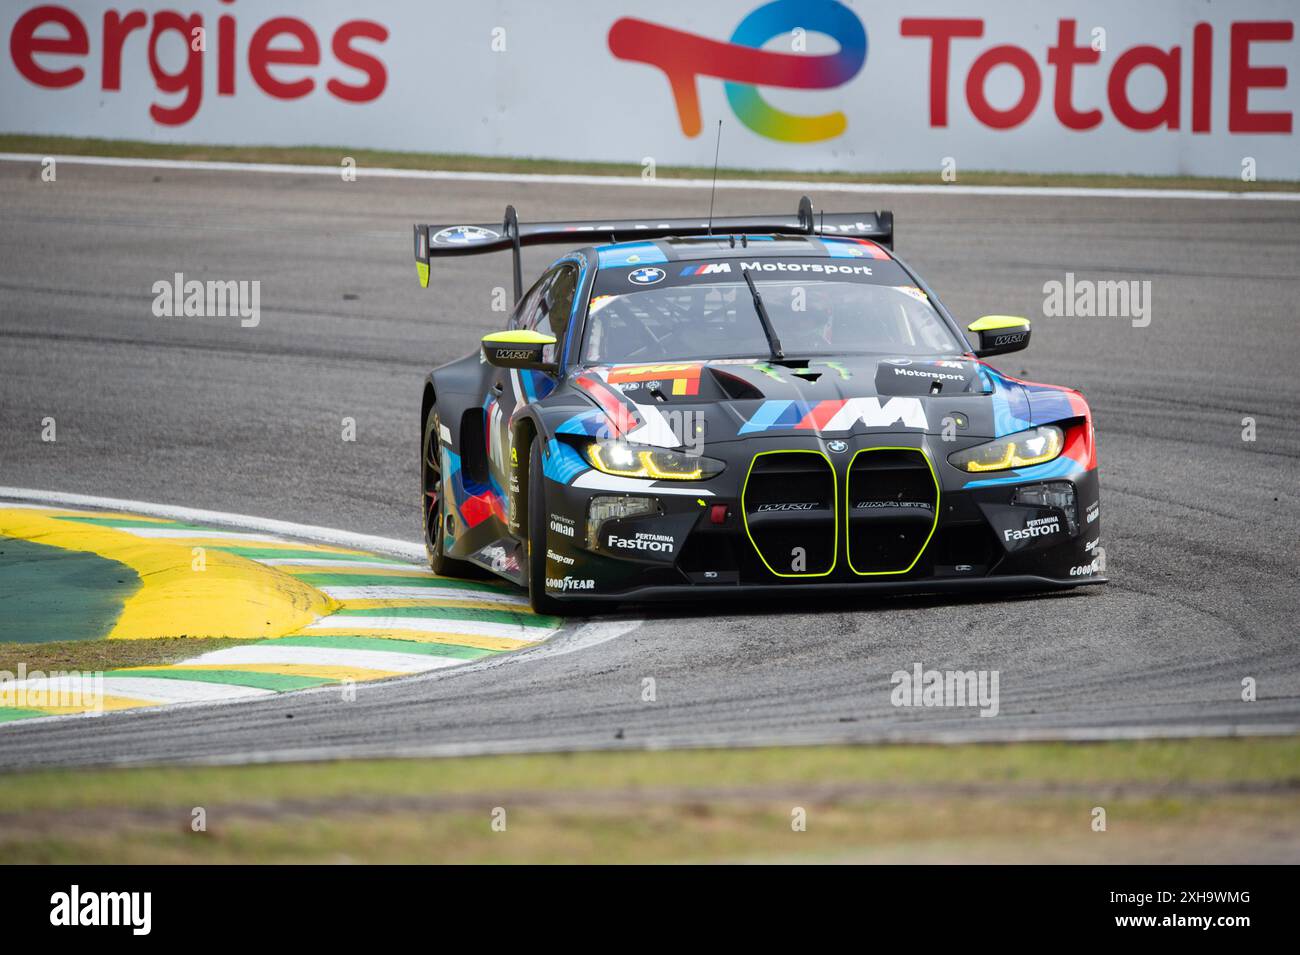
x=433 y=241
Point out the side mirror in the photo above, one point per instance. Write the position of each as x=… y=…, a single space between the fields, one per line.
x=999 y=334
x=523 y=349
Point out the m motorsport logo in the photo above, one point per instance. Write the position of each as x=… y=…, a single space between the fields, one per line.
x=745 y=65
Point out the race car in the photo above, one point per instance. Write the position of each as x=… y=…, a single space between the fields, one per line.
x=745 y=405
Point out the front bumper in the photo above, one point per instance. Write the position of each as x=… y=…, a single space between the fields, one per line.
x=988 y=586
x=802 y=516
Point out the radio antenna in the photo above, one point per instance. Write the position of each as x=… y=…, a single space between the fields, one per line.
x=714 y=188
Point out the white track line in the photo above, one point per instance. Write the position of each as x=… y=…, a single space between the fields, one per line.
x=757 y=185
x=172 y=533
x=326 y=563
x=1084 y=734
x=435 y=595
x=190 y=515
x=347 y=623
x=391 y=662
x=153 y=689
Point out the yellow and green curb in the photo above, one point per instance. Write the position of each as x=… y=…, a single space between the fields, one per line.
x=315 y=614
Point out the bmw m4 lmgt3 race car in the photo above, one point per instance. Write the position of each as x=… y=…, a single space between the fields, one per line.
x=749 y=405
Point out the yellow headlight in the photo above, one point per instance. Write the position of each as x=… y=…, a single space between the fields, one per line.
x=1020 y=450
x=626 y=460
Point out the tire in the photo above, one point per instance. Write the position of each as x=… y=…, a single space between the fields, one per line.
x=536 y=544
x=433 y=505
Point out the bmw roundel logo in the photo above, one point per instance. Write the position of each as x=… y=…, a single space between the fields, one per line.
x=462 y=234
x=838 y=446
x=646 y=275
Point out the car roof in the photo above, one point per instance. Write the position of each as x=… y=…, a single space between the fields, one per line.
x=648 y=252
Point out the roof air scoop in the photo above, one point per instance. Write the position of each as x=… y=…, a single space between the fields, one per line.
x=734 y=387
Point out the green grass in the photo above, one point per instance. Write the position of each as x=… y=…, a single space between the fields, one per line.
x=95 y=655
x=966 y=831
x=333 y=155
x=1181 y=800
x=1174 y=761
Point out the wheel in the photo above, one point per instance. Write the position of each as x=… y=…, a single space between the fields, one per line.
x=433 y=505
x=537 y=511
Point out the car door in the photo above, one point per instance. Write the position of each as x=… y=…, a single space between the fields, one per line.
x=555 y=309
x=511 y=388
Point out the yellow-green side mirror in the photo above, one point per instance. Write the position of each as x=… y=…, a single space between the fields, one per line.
x=998 y=334
x=522 y=348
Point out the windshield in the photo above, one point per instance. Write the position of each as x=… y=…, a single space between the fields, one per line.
x=718 y=320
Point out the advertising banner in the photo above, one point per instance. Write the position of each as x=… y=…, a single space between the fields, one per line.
x=1158 y=87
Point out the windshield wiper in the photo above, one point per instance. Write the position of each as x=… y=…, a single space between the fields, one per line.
x=773 y=343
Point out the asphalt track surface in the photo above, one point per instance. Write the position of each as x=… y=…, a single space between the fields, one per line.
x=1200 y=527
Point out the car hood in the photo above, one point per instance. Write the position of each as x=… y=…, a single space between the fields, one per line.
x=734 y=400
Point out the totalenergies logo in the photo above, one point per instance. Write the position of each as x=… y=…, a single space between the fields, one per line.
x=745 y=65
